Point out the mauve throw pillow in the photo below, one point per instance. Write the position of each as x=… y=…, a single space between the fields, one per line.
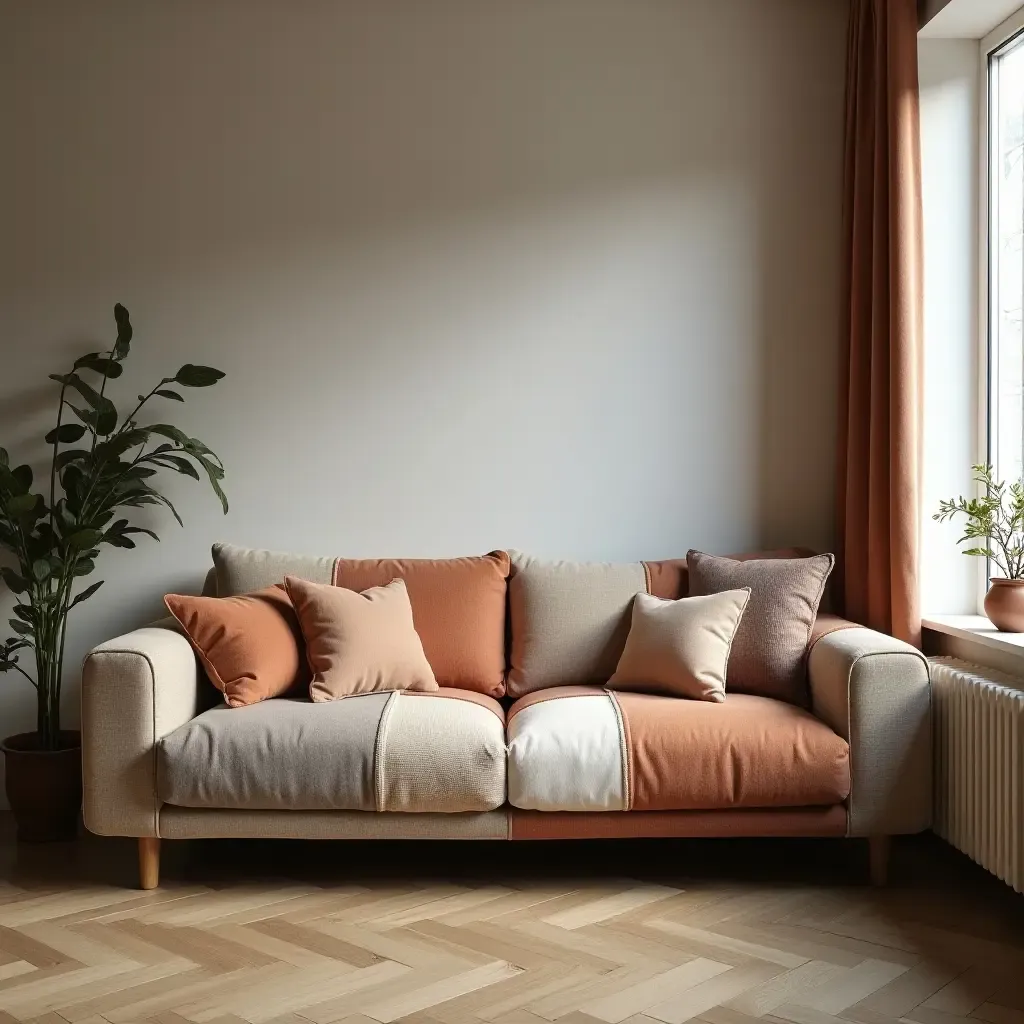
x=250 y=645
x=359 y=642
x=769 y=651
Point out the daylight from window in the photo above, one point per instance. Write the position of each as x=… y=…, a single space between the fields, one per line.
x=1007 y=256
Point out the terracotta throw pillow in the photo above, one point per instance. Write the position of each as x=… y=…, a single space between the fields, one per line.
x=250 y=645
x=680 y=648
x=768 y=654
x=359 y=642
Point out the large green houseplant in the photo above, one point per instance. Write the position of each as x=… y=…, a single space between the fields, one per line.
x=101 y=463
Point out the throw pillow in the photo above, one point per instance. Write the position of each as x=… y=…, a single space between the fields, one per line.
x=771 y=643
x=458 y=604
x=680 y=648
x=250 y=645
x=359 y=642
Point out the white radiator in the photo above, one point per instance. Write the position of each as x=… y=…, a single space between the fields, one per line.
x=978 y=715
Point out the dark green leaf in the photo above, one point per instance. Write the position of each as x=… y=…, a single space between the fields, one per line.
x=41 y=569
x=4 y=457
x=106 y=421
x=169 y=431
x=140 y=529
x=68 y=456
x=20 y=627
x=118 y=540
x=22 y=477
x=180 y=463
x=100 y=403
x=192 y=376
x=15 y=583
x=22 y=504
x=120 y=443
x=25 y=612
x=85 y=594
x=82 y=539
x=172 y=395
x=100 y=364
x=66 y=433
x=124 y=332
x=84 y=566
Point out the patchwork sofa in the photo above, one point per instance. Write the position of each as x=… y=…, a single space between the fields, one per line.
x=522 y=741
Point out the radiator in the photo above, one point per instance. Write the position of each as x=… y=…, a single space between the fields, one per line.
x=978 y=716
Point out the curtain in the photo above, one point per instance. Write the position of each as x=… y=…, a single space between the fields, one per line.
x=880 y=402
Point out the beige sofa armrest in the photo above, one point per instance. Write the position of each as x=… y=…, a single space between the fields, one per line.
x=874 y=691
x=136 y=689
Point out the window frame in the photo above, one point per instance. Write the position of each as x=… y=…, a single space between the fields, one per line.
x=1008 y=31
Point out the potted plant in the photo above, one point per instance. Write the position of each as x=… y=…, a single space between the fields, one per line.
x=996 y=519
x=100 y=463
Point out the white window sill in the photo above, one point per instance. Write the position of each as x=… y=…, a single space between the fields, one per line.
x=976 y=633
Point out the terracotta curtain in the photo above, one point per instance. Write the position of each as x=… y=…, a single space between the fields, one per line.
x=881 y=361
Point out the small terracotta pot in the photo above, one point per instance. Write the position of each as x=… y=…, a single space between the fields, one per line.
x=1004 y=605
x=44 y=787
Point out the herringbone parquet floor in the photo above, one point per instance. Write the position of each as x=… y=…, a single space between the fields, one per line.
x=786 y=933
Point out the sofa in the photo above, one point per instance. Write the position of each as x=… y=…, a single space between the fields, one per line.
x=523 y=739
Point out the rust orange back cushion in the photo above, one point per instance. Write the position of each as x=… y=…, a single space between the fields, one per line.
x=458 y=609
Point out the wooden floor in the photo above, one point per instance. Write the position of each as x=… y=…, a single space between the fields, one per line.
x=721 y=932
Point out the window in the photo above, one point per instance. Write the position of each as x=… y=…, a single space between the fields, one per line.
x=1006 y=258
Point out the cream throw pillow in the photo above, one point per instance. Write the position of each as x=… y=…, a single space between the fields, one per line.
x=680 y=648
x=359 y=642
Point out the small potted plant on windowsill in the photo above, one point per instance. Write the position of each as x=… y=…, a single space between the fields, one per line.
x=55 y=539
x=996 y=519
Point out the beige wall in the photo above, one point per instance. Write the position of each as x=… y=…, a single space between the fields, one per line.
x=554 y=274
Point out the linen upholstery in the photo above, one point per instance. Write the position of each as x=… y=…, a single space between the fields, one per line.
x=194 y=823
x=673 y=754
x=136 y=689
x=569 y=620
x=371 y=752
x=250 y=645
x=359 y=642
x=242 y=570
x=680 y=648
x=874 y=692
x=770 y=648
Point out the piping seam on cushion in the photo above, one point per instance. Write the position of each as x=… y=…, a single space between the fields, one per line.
x=334 y=572
x=648 y=581
x=379 y=751
x=627 y=795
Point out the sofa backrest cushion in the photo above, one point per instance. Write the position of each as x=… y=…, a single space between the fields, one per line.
x=770 y=650
x=569 y=620
x=458 y=604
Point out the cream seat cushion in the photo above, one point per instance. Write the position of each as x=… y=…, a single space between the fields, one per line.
x=398 y=751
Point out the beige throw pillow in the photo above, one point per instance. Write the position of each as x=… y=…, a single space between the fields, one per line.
x=770 y=651
x=680 y=648
x=359 y=642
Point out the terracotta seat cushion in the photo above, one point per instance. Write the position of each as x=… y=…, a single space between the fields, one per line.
x=584 y=748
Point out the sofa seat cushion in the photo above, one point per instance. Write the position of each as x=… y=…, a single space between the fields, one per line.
x=430 y=752
x=579 y=748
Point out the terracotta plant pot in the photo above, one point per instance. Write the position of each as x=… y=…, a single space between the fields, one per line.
x=44 y=787
x=1004 y=605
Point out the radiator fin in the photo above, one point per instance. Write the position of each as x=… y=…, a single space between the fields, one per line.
x=978 y=715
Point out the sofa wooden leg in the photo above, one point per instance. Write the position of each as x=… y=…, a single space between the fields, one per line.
x=149 y=862
x=878 y=854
